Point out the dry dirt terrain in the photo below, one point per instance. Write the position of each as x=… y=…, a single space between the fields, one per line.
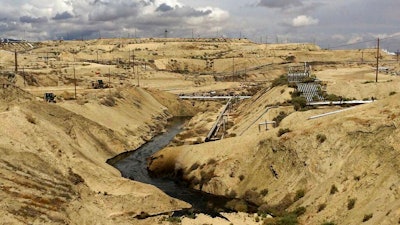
x=338 y=169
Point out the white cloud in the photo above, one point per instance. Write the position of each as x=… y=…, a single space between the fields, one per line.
x=354 y=40
x=303 y=20
x=338 y=37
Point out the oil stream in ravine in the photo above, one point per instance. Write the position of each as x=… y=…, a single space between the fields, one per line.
x=133 y=165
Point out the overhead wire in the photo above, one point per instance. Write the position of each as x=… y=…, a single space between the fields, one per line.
x=366 y=41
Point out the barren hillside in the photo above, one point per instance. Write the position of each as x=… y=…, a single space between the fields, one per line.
x=354 y=152
x=53 y=166
x=341 y=168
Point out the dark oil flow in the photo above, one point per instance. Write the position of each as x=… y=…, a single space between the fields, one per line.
x=133 y=165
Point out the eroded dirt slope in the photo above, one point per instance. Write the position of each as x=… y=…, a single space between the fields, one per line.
x=53 y=168
x=347 y=157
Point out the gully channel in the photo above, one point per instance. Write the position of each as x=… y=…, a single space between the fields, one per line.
x=133 y=165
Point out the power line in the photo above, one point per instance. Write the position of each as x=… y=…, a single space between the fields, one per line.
x=362 y=42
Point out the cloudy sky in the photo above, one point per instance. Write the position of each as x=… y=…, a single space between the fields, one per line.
x=328 y=23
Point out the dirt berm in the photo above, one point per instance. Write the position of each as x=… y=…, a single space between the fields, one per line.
x=52 y=166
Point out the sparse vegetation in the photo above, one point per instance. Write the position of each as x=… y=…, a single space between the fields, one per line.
x=333 y=189
x=211 y=161
x=206 y=176
x=392 y=93
x=367 y=217
x=328 y=223
x=174 y=219
x=232 y=194
x=253 y=197
x=321 y=138
x=194 y=167
x=299 y=103
x=299 y=194
x=280 y=81
x=299 y=211
x=368 y=82
x=237 y=205
x=264 y=192
x=75 y=178
x=279 y=118
x=321 y=207
x=350 y=203
x=288 y=219
x=283 y=131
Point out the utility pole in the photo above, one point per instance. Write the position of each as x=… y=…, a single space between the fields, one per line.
x=133 y=63
x=377 y=62
x=138 y=79
x=362 y=56
x=109 y=79
x=233 y=68
x=16 y=60
x=74 y=82
x=23 y=72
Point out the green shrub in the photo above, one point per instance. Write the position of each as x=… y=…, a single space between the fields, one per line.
x=174 y=219
x=283 y=131
x=350 y=203
x=367 y=217
x=299 y=103
x=321 y=138
x=299 y=194
x=392 y=93
x=279 y=118
x=253 y=197
x=333 y=189
x=232 y=194
x=321 y=207
x=211 y=161
x=237 y=205
x=289 y=219
x=194 y=167
x=333 y=97
x=368 y=82
x=269 y=221
x=264 y=192
x=328 y=223
x=280 y=81
x=299 y=211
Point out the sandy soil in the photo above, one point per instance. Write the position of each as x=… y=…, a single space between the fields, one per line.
x=53 y=168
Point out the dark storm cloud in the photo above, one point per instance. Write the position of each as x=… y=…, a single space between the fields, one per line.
x=114 y=10
x=63 y=16
x=146 y=2
x=164 y=8
x=29 y=19
x=188 y=12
